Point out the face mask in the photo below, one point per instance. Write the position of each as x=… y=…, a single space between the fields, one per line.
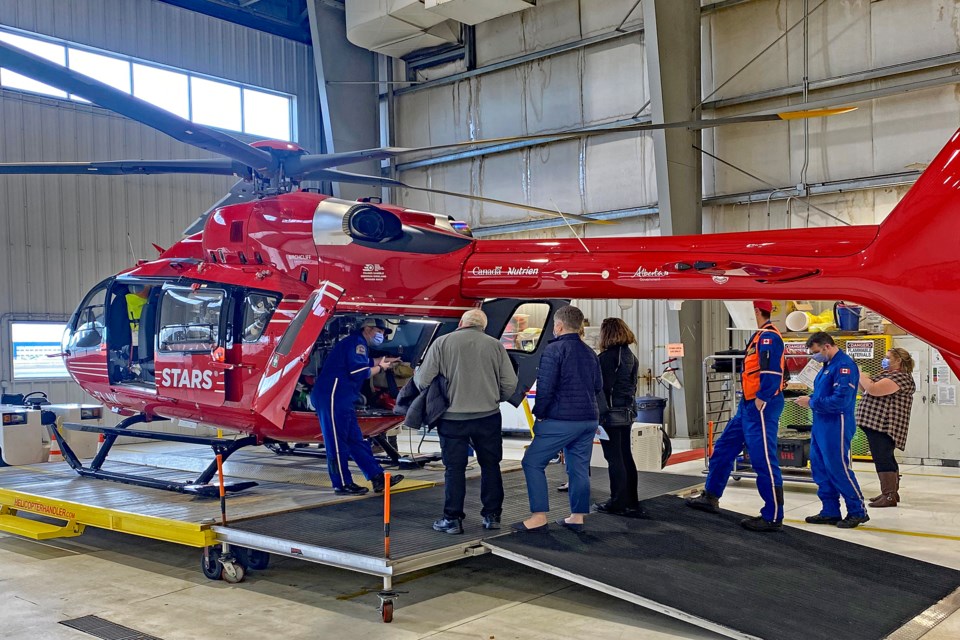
x=819 y=357
x=885 y=363
x=378 y=338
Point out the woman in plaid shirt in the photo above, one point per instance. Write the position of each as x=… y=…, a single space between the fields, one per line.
x=884 y=416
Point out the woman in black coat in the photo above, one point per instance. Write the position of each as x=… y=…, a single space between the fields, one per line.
x=619 y=368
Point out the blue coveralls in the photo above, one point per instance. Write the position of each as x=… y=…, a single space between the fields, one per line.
x=755 y=429
x=336 y=390
x=833 y=400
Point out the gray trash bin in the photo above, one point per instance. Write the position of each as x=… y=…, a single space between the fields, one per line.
x=650 y=409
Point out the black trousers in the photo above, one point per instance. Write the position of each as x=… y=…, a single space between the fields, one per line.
x=881 y=448
x=484 y=435
x=622 y=468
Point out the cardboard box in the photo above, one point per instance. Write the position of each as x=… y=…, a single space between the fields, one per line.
x=893 y=330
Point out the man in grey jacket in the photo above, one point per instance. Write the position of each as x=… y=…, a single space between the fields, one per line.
x=479 y=377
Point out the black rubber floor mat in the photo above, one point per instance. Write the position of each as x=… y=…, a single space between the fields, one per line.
x=790 y=585
x=105 y=629
x=357 y=526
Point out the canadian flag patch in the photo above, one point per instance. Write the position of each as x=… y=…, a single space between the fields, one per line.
x=842 y=371
x=767 y=341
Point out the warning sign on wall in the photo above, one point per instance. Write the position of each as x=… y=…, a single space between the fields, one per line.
x=859 y=349
x=675 y=350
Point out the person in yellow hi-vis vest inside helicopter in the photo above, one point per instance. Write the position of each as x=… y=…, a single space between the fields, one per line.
x=136 y=301
x=755 y=425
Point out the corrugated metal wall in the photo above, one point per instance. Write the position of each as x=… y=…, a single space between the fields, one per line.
x=61 y=235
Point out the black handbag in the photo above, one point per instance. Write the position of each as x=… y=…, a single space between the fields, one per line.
x=617 y=416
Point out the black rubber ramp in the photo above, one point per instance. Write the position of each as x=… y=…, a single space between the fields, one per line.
x=357 y=525
x=790 y=585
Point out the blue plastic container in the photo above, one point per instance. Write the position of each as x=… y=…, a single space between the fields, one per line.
x=847 y=318
x=650 y=409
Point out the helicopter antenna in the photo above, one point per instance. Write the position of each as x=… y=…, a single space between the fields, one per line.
x=572 y=230
x=132 y=252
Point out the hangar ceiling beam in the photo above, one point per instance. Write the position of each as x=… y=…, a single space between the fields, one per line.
x=349 y=110
x=672 y=46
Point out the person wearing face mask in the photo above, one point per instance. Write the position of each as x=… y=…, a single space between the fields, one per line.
x=834 y=424
x=755 y=426
x=337 y=389
x=884 y=415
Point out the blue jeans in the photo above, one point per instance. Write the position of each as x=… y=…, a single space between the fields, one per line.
x=549 y=437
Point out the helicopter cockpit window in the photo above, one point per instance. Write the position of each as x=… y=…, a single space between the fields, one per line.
x=257 y=311
x=525 y=326
x=86 y=331
x=190 y=319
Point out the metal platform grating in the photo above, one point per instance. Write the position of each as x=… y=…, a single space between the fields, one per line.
x=706 y=569
x=100 y=628
x=357 y=527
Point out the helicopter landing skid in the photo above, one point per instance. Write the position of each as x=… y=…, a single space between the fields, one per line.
x=200 y=486
x=391 y=455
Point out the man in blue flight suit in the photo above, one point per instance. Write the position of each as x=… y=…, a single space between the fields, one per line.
x=755 y=425
x=833 y=401
x=344 y=372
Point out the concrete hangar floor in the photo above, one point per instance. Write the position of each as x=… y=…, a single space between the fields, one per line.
x=156 y=588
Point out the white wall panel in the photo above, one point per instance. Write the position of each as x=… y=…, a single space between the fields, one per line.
x=60 y=235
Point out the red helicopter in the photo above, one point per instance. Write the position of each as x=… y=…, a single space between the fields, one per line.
x=227 y=326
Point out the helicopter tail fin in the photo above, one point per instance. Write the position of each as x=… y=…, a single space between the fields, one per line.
x=911 y=272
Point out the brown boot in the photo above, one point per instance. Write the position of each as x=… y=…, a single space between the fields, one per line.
x=888 y=491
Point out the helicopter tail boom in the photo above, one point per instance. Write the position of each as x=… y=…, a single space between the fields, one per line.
x=907 y=268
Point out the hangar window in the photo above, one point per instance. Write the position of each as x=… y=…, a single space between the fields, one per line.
x=203 y=99
x=52 y=52
x=35 y=346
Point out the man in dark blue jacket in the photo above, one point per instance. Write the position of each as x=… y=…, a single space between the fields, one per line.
x=834 y=424
x=568 y=382
x=338 y=387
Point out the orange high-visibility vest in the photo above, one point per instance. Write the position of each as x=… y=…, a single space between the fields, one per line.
x=750 y=378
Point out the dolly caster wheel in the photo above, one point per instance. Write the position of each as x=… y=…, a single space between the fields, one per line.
x=233 y=572
x=210 y=563
x=386 y=604
x=386 y=610
x=736 y=478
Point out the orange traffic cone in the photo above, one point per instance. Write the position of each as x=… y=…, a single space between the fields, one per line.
x=55 y=454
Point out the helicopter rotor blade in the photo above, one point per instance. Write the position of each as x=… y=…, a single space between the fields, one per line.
x=207 y=166
x=53 y=74
x=333 y=175
x=314 y=162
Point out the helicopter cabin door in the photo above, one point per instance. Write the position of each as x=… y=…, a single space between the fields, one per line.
x=190 y=340
x=280 y=376
x=524 y=327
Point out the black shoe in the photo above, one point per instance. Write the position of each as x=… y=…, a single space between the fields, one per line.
x=576 y=528
x=852 y=522
x=632 y=512
x=603 y=507
x=352 y=489
x=706 y=501
x=520 y=526
x=757 y=523
x=822 y=519
x=378 y=482
x=453 y=526
x=491 y=522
